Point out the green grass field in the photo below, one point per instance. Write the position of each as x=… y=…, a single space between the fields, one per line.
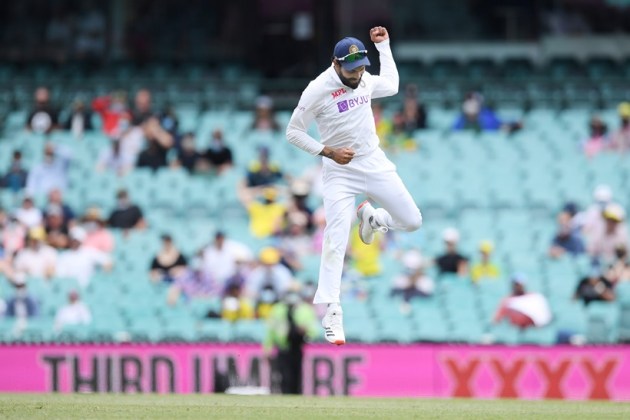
x=63 y=406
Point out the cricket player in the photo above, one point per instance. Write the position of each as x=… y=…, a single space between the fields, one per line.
x=339 y=101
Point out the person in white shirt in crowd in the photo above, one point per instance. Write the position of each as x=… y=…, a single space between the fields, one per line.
x=592 y=219
x=51 y=173
x=220 y=258
x=131 y=139
x=523 y=309
x=607 y=237
x=12 y=235
x=75 y=312
x=29 y=215
x=36 y=259
x=80 y=262
x=339 y=101
x=112 y=159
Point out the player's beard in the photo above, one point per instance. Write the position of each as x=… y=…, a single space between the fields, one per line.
x=352 y=84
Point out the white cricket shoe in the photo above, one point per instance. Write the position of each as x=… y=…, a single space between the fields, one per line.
x=333 y=325
x=367 y=226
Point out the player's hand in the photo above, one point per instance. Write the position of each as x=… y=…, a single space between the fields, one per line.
x=378 y=34
x=343 y=155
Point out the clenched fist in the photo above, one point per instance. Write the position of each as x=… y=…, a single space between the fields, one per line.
x=378 y=34
x=342 y=156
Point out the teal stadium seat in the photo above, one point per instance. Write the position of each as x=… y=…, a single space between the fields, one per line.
x=361 y=331
x=622 y=293
x=178 y=330
x=505 y=333
x=249 y=331
x=603 y=322
x=216 y=330
x=428 y=315
x=570 y=317
x=545 y=336
x=489 y=185
x=145 y=329
x=39 y=330
x=466 y=328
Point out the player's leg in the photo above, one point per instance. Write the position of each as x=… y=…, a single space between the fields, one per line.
x=382 y=184
x=398 y=209
x=339 y=198
x=339 y=213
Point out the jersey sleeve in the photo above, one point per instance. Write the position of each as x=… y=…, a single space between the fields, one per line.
x=386 y=83
x=302 y=117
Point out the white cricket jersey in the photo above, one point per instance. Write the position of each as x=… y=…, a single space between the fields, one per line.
x=343 y=115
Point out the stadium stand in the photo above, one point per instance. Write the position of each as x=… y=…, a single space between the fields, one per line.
x=490 y=185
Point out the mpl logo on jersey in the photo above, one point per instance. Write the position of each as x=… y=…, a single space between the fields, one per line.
x=348 y=104
x=338 y=93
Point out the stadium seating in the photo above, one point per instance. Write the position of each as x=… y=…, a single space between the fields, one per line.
x=490 y=185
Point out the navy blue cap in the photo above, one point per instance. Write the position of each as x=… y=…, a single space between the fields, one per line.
x=570 y=208
x=347 y=46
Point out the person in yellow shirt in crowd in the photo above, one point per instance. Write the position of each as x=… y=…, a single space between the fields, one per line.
x=291 y=323
x=366 y=259
x=266 y=213
x=485 y=268
x=382 y=123
x=235 y=306
x=391 y=131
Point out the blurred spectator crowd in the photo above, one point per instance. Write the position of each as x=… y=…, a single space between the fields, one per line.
x=55 y=242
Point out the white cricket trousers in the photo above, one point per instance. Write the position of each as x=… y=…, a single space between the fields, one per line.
x=375 y=176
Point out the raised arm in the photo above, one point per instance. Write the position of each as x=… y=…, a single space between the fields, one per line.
x=386 y=83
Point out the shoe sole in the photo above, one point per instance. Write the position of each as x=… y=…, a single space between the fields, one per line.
x=336 y=342
x=361 y=222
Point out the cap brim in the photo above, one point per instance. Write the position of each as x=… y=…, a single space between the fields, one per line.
x=351 y=66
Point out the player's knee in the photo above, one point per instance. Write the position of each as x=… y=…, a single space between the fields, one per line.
x=415 y=222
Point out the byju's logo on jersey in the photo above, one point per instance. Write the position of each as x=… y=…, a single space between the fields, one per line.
x=345 y=105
